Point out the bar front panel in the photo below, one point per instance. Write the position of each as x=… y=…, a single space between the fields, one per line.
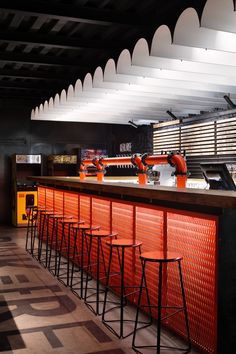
x=192 y=235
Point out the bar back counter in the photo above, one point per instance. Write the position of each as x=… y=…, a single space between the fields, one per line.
x=197 y=224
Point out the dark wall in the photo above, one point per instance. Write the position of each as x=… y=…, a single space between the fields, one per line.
x=18 y=134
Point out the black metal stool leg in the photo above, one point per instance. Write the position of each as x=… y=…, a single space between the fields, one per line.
x=34 y=231
x=125 y=290
x=60 y=251
x=159 y=308
x=162 y=259
x=138 y=307
x=41 y=235
x=185 y=306
x=80 y=236
x=75 y=251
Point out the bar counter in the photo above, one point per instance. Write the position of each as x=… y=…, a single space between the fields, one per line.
x=198 y=224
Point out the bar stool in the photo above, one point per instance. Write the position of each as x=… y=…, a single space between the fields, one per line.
x=43 y=235
x=161 y=258
x=65 y=248
x=124 y=290
x=80 y=253
x=53 y=242
x=32 y=216
x=96 y=235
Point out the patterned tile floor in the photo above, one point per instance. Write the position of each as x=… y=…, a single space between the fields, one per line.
x=39 y=315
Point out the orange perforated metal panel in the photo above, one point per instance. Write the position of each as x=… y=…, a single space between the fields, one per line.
x=58 y=206
x=149 y=230
x=49 y=198
x=101 y=212
x=85 y=207
x=123 y=222
x=192 y=235
x=100 y=215
x=41 y=197
x=71 y=204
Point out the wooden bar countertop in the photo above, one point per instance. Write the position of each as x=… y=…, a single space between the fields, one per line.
x=198 y=197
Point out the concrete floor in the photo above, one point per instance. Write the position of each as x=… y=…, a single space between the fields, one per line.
x=40 y=315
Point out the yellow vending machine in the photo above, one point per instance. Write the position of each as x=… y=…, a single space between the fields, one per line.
x=24 y=192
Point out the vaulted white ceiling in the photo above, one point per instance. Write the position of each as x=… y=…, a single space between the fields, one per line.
x=186 y=74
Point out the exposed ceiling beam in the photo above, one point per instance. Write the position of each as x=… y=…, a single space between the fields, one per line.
x=58 y=41
x=33 y=97
x=39 y=59
x=74 y=13
x=19 y=85
x=36 y=75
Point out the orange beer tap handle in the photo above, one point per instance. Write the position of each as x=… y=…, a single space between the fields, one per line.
x=100 y=168
x=141 y=162
x=82 y=172
x=137 y=160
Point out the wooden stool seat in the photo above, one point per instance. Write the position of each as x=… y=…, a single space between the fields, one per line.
x=159 y=256
x=44 y=210
x=123 y=242
x=100 y=233
x=47 y=212
x=70 y=220
x=56 y=216
x=86 y=226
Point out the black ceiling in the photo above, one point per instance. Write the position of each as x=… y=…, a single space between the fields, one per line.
x=47 y=45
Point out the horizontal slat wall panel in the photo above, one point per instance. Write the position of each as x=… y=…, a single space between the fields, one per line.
x=166 y=139
x=202 y=142
x=194 y=238
x=226 y=136
x=198 y=138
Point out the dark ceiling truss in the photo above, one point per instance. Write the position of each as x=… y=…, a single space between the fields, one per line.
x=37 y=75
x=25 y=86
x=72 y=13
x=45 y=45
x=57 y=41
x=33 y=59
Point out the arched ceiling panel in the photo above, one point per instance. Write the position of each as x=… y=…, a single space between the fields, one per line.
x=188 y=32
x=220 y=15
x=187 y=75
